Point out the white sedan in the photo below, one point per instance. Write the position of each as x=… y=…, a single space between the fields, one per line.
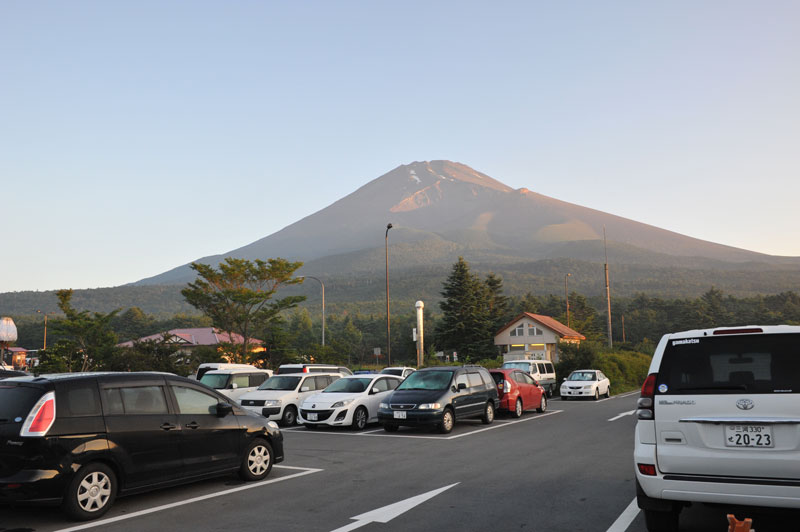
x=585 y=383
x=350 y=401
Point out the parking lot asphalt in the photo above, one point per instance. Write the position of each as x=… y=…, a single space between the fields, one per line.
x=569 y=469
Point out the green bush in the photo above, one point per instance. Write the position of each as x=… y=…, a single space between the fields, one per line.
x=625 y=369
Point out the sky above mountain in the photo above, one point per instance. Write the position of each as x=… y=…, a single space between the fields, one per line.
x=135 y=137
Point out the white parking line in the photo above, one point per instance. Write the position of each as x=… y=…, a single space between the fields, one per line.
x=626 y=518
x=622 y=415
x=303 y=471
x=499 y=424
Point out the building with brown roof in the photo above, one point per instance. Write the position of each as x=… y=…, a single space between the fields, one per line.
x=534 y=337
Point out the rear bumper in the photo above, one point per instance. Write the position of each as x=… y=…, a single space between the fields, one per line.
x=33 y=485
x=508 y=402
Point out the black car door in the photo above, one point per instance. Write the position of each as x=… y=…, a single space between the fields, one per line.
x=209 y=443
x=142 y=432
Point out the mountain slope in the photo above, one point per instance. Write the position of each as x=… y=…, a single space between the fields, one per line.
x=442 y=209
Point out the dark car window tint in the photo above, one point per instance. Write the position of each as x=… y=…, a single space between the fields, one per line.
x=257 y=378
x=549 y=367
x=144 y=400
x=542 y=368
x=79 y=399
x=427 y=380
x=17 y=401
x=191 y=401
x=112 y=402
x=498 y=377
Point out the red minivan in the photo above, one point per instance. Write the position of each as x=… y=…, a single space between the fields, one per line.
x=518 y=391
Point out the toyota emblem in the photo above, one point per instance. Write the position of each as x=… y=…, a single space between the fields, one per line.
x=745 y=404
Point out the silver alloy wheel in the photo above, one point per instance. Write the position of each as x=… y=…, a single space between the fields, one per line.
x=518 y=408
x=360 y=419
x=489 y=412
x=447 y=421
x=94 y=491
x=258 y=460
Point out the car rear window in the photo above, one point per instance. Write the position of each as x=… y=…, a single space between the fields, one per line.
x=756 y=363
x=16 y=401
x=498 y=377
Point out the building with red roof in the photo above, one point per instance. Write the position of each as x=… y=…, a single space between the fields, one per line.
x=534 y=337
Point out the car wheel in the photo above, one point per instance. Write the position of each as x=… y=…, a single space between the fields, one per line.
x=91 y=492
x=656 y=521
x=518 y=408
x=550 y=392
x=289 y=418
x=488 y=413
x=447 y=421
x=596 y=394
x=390 y=427
x=360 y=418
x=542 y=405
x=257 y=461
x=608 y=392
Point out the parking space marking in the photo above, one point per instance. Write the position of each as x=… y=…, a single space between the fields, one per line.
x=303 y=471
x=499 y=424
x=626 y=518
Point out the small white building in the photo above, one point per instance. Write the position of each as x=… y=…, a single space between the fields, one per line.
x=534 y=337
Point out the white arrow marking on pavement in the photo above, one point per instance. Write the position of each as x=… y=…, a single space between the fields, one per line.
x=387 y=513
x=622 y=415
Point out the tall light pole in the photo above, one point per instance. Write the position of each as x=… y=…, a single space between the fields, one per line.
x=566 y=295
x=323 y=304
x=388 y=320
x=608 y=290
x=44 y=345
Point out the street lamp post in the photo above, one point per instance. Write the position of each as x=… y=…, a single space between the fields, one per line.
x=44 y=345
x=566 y=295
x=388 y=320
x=323 y=304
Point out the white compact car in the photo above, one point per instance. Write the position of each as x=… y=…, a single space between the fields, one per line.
x=280 y=396
x=235 y=382
x=350 y=401
x=718 y=422
x=585 y=383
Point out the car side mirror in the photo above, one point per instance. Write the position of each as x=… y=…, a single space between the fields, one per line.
x=305 y=389
x=462 y=386
x=223 y=409
x=374 y=391
x=234 y=386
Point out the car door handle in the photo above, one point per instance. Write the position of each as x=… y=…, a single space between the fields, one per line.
x=192 y=425
x=168 y=426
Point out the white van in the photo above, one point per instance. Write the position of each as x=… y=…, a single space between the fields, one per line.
x=312 y=368
x=542 y=371
x=235 y=382
x=280 y=396
x=718 y=422
x=208 y=366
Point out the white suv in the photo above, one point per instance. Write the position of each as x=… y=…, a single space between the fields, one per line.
x=718 y=422
x=279 y=398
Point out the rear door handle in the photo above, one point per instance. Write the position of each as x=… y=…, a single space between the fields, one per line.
x=168 y=426
x=192 y=425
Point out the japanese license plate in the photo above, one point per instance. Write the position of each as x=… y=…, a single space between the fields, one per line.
x=748 y=436
x=312 y=416
x=399 y=414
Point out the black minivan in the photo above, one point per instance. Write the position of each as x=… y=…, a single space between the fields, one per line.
x=83 y=439
x=438 y=396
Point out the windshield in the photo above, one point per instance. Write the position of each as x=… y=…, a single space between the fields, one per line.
x=518 y=365
x=427 y=380
x=218 y=381
x=280 y=383
x=392 y=371
x=348 y=386
x=581 y=376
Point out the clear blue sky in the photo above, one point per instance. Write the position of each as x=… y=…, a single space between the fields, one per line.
x=137 y=136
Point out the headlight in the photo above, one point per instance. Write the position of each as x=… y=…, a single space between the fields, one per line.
x=273 y=425
x=384 y=405
x=588 y=387
x=272 y=402
x=429 y=406
x=340 y=404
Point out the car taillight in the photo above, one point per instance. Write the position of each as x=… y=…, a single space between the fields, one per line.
x=750 y=330
x=644 y=406
x=305 y=369
x=41 y=417
x=647 y=469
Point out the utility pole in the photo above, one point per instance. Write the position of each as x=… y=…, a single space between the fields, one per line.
x=566 y=296
x=388 y=320
x=420 y=334
x=608 y=289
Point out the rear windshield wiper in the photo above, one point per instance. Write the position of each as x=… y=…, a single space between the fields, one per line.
x=723 y=387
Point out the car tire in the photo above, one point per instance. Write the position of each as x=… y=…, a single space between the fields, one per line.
x=656 y=521
x=596 y=394
x=543 y=405
x=608 y=392
x=90 y=493
x=289 y=418
x=390 y=427
x=448 y=420
x=360 y=418
x=256 y=461
x=550 y=392
x=518 y=409
x=488 y=413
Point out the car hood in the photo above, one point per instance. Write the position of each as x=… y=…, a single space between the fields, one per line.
x=325 y=400
x=416 y=396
